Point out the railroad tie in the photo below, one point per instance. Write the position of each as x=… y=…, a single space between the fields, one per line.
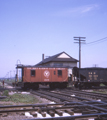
x=69 y=111
x=12 y=113
x=22 y=113
x=43 y=114
x=4 y=115
x=60 y=113
x=51 y=113
x=34 y=114
x=41 y=111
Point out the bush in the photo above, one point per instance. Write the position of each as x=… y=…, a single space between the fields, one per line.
x=6 y=93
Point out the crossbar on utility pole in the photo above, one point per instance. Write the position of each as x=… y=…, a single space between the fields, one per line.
x=79 y=41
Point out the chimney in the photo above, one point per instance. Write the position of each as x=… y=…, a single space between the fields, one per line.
x=42 y=57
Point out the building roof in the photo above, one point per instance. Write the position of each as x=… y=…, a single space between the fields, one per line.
x=61 y=57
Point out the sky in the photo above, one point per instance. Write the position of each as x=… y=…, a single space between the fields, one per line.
x=29 y=28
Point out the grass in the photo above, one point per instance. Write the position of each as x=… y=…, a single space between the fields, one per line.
x=102 y=84
x=5 y=93
x=21 y=98
x=100 y=91
x=103 y=91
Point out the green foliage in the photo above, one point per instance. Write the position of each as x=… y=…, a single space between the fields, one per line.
x=100 y=91
x=6 y=93
x=22 y=98
x=102 y=84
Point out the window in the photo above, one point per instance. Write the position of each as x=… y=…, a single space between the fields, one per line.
x=59 y=72
x=58 y=64
x=32 y=72
x=54 y=72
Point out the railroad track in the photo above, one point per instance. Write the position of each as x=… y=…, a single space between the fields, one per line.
x=92 y=95
x=70 y=95
x=59 y=111
x=68 y=103
x=59 y=96
x=80 y=97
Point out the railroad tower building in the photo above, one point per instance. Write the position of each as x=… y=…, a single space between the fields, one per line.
x=59 y=60
x=62 y=59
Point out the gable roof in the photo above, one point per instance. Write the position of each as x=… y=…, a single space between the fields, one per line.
x=60 y=57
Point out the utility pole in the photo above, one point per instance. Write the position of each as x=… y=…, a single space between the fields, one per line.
x=10 y=75
x=79 y=39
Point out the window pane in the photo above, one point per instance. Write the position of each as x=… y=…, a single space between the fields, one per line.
x=59 y=72
x=54 y=72
x=32 y=72
x=58 y=64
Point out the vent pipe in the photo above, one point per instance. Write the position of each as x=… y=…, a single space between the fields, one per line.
x=42 y=57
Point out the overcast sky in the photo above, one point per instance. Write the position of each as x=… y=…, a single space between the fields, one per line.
x=29 y=28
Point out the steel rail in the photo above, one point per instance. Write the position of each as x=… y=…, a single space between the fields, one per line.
x=65 y=94
x=71 y=117
x=84 y=107
x=86 y=93
x=45 y=96
x=65 y=97
x=3 y=97
x=54 y=106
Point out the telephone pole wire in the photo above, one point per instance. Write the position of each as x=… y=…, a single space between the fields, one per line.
x=79 y=39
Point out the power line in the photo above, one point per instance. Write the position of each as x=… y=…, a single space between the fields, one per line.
x=100 y=40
